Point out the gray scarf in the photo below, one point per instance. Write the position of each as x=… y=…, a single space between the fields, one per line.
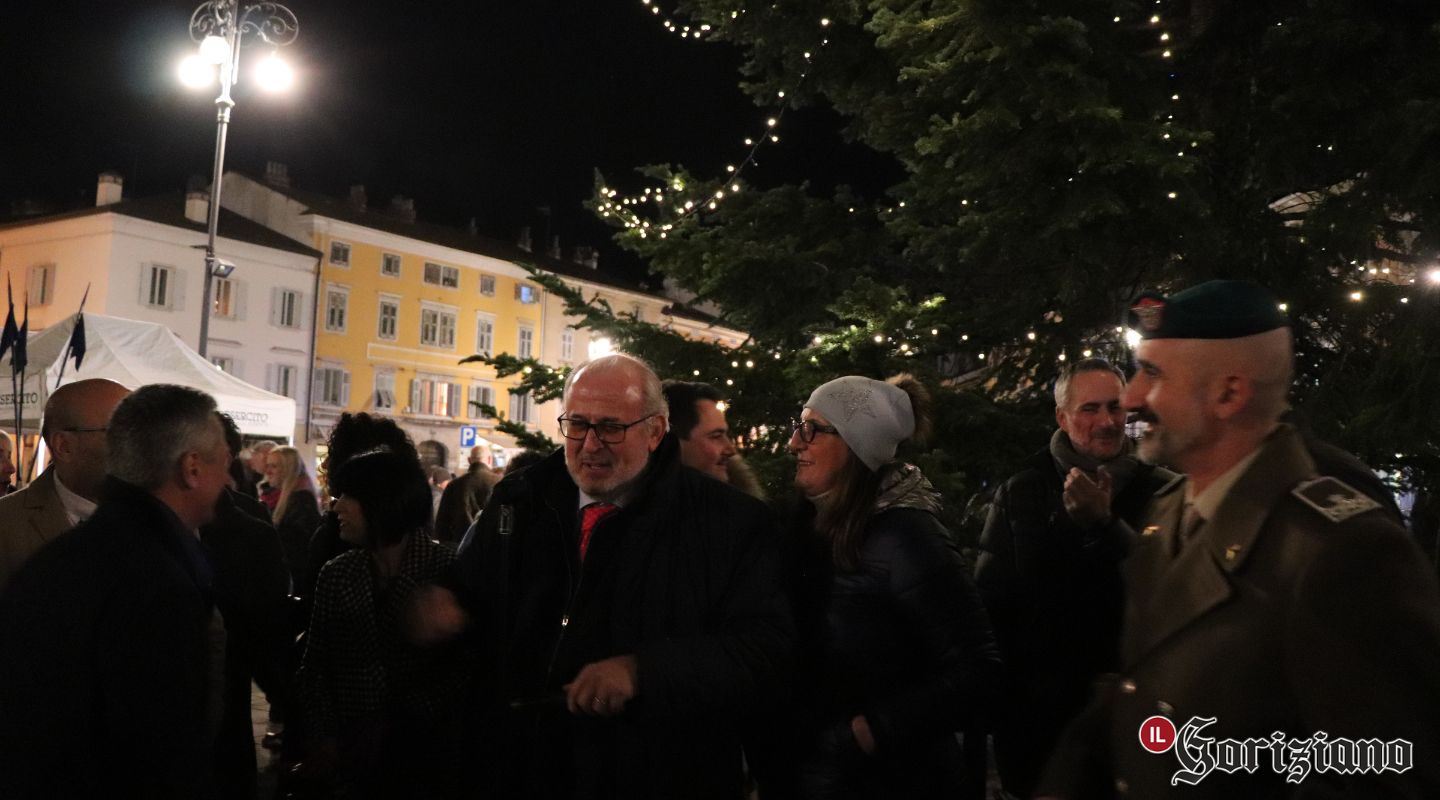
x=1120 y=468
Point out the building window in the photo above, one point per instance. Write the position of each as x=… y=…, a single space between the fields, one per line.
x=484 y=334
x=525 y=345
x=332 y=386
x=285 y=310
x=389 y=264
x=436 y=398
x=521 y=408
x=336 y=301
x=384 y=391
x=224 y=364
x=159 y=286
x=389 y=318
x=340 y=254
x=42 y=284
x=282 y=380
x=480 y=394
x=224 y=296
x=441 y=275
x=567 y=345
x=527 y=294
x=487 y=285
x=437 y=328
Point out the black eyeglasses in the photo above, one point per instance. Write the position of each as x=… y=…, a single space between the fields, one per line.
x=85 y=430
x=808 y=428
x=605 y=432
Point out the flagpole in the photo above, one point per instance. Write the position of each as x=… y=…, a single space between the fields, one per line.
x=17 y=365
x=70 y=346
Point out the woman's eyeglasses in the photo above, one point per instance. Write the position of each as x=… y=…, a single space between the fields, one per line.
x=808 y=428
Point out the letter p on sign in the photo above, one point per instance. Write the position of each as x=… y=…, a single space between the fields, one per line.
x=1157 y=734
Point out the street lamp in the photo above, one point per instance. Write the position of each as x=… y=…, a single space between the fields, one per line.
x=220 y=27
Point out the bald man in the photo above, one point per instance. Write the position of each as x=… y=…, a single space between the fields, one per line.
x=76 y=418
x=1266 y=606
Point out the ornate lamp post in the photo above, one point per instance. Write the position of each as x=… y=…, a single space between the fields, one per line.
x=220 y=27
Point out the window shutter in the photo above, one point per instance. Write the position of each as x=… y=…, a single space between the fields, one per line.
x=237 y=299
x=304 y=312
x=144 y=284
x=415 y=396
x=275 y=305
x=454 y=400
x=344 y=388
x=177 y=290
x=270 y=381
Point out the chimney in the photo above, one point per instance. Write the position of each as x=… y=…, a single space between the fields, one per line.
x=109 y=189
x=587 y=257
x=524 y=242
x=403 y=207
x=197 y=206
x=277 y=174
x=554 y=247
x=357 y=197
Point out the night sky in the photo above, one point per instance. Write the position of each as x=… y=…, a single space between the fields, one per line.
x=485 y=110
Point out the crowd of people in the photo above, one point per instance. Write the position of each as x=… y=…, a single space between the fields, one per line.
x=630 y=616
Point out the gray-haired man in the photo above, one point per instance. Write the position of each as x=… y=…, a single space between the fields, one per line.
x=108 y=686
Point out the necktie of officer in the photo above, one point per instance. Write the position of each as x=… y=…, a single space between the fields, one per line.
x=590 y=516
x=1190 y=523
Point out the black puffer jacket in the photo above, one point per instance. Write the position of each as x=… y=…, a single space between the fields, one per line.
x=905 y=642
x=685 y=576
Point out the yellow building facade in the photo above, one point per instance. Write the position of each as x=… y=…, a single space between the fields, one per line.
x=398 y=303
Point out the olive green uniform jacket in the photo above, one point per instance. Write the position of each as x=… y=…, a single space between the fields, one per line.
x=1299 y=608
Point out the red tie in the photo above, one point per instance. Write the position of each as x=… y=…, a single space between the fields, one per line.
x=589 y=516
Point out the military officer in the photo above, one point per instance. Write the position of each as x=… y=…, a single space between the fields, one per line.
x=1286 y=608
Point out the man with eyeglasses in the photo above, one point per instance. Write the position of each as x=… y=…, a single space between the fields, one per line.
x=627 y=611
x=65 y=494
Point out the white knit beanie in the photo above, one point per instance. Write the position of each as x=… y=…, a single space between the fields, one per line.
x=873 y=417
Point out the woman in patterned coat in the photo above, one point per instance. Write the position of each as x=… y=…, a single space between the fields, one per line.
x=377 y=709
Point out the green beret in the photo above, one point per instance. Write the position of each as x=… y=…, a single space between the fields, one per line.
x=1212 y=310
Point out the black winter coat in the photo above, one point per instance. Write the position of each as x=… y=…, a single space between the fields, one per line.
x=1056 y=598
x=296 y=527
x=903 y=641
x=107 y=684
x=685 y=577
x=251 y=584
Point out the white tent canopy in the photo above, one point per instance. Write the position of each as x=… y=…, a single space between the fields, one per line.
x=134 y=354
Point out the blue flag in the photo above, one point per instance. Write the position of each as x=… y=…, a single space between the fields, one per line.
x=76 y=347
x=7 y=339
x=18 y=357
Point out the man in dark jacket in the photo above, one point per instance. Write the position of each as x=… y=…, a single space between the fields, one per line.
x=1049 y=567
x=628 y=611
x=251 y=585
x=463 y=499
x=107 y=685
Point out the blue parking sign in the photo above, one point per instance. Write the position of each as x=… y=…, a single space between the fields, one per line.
x=469 y=435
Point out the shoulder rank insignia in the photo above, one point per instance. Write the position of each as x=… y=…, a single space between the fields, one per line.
x=1335 y=499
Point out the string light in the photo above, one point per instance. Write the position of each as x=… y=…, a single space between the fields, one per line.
x=620 y=208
